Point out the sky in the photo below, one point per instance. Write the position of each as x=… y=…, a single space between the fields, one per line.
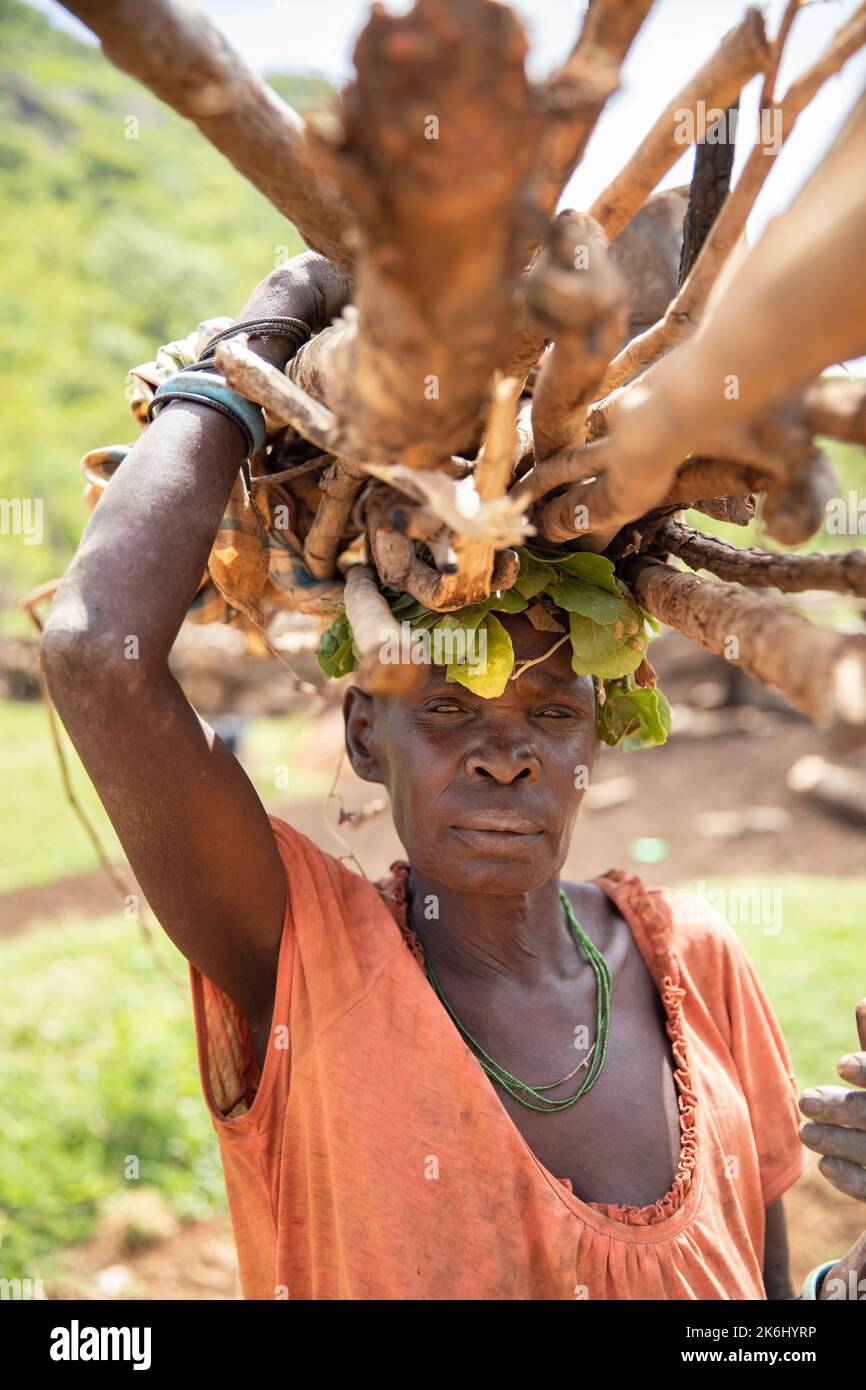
x=319 y=35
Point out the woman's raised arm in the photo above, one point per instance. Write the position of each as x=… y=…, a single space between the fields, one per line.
x=194 y=830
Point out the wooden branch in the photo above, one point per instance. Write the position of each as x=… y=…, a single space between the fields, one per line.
x=375 y=631
x=285 y=402
x=570 y=466
x=186 y=62
x=710 y=185
x=339 y=486
x=579 y=294
x=716 y=479
x=796 y=506
x=685 y=310
x=440 y=105
x=836 y=406
x=575 y=95
x=762 y=569
x=752 y=350
x=820 y=672
x=400 y=568
x=737 y=510
x=647 y=254
x=742 y=53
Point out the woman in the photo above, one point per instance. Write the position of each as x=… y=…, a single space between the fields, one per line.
x=636 y=1127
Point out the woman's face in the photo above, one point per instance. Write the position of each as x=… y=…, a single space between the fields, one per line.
x=484 y=793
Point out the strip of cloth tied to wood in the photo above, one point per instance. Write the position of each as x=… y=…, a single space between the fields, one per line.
x=517 y=404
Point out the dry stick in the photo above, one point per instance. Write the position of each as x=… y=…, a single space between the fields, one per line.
x=581 y=295
x=836 y=406
x=408 y=374
x=711 y=181
x=339 y=487
x=575 y=95
x=738 y=510
x=477 y=567
x=475 y=559
x=762 y=569
x=742 y=53
x=709 y=187
x=400 y=567
x=642 y=253
x=573 y=99
x=753 y=341
x=795 y=506
x=820 y=672
x=299 y=471
x=264 y=383
x=721 y=479
x=188 y=64
x=571 y=466
x=375 y=632
x=685 y=310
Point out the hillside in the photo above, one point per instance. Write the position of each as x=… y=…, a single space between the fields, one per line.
x=109 y=246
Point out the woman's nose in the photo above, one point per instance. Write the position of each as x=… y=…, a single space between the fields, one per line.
x=502 y=762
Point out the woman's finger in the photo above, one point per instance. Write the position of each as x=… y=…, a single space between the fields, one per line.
x=860 y=1013
x=852 y=1067
x=849 y=1178
x=835 y=1141
x=835 y=1105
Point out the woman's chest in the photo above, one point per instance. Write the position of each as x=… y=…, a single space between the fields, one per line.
x=619 y=1142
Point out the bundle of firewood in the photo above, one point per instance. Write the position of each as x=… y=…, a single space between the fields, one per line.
x=482 y=389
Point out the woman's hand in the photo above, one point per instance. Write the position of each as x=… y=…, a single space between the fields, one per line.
x=308 y=287
x=836 y=1128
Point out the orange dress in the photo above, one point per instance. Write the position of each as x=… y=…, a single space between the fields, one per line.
x=353 y=1173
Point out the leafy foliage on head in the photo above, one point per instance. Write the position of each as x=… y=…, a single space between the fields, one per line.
x=575 y=597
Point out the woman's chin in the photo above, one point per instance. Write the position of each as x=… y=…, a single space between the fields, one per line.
x=488 y=862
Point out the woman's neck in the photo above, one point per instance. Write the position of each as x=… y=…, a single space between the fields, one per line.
x=521 y=938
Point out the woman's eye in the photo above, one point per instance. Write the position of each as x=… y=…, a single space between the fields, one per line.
x=445 y=707
x=557 y=712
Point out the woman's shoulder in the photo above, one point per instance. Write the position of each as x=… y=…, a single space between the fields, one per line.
x=692 y=922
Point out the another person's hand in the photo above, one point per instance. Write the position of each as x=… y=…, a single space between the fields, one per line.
x=836 y=1128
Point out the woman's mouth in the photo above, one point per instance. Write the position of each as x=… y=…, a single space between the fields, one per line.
x=497 y=830
x=499 y=823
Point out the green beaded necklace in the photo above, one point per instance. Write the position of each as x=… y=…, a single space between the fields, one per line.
x=595 y=1057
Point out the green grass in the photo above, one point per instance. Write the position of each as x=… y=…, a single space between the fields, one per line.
x=98 y=1060
x=813 y=969
x=42 y=837
x=98 y=1065
x=111 y=247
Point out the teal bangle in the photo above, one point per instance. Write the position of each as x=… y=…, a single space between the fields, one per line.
x=814 y=1279
x=210 y=389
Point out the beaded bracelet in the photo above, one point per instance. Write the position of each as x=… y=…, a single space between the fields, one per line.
x=209 y=388
x=815 y=1278
x=295 y=330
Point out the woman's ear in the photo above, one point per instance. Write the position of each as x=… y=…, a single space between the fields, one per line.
x=359 y=717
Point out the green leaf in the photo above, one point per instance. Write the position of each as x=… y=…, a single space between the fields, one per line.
x=489 y=677
x=596 y=569
x=634 y=717
x=577 y=596
x=597 y=651
x=533 y=575
x=509 y=601
x=336 y=650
